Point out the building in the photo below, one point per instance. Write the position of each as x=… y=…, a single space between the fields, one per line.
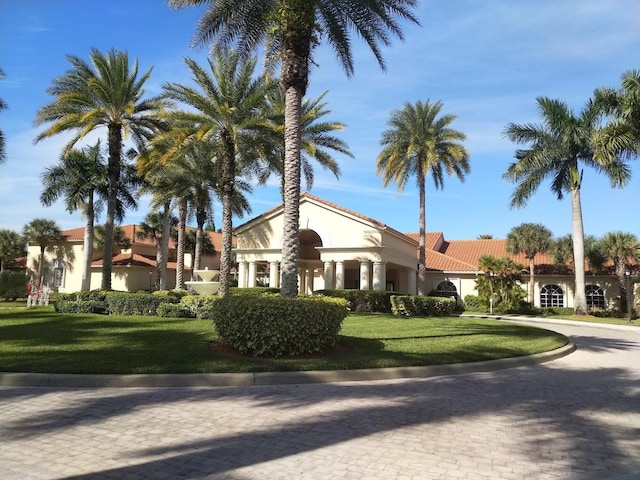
x=339 y=249
x=133 y=268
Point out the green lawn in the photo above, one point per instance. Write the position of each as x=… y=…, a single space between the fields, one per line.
x=40 y=340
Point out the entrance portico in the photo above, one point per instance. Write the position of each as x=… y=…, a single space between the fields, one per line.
x=339 y=249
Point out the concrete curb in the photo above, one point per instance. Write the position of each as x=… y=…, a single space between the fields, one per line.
x=8 y=379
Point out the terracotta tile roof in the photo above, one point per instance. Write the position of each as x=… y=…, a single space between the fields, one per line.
x=432 y=240
x=128 y=259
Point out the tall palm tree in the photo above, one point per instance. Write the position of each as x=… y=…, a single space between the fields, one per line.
x=227 y=111
x=44 y=233
x=530 y=239
x=623 y=133
x=291 y=29
x=79 y=177
x=421 y=142
x=106 y=93
x=620 y=248
x=316 y=140
x=558 y=148
x=3 y=106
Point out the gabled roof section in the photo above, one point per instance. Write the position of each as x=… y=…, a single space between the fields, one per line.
x=432 y=241
x=307 y=197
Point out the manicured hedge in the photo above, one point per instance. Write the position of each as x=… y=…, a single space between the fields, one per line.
x=174 y=310
x=420 y=306
x=362 y=300
x=13 y=285
x=273 y=325
x=124 y=303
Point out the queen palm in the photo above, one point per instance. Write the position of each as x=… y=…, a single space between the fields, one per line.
x=291 y=29
x=226 y=110
x=79 y=176
x=44 y=233
x=559 y=147
x=153 y=228
x=530 y=239
x=421 y=142
x=108 y=93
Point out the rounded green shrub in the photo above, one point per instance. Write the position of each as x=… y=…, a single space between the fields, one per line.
x=273 y=325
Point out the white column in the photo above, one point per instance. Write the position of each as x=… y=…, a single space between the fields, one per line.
x=411 y=282
x=328 y=275
x=364 y=275
x=301 y=277
x=274 y=274
x=252 y=274
x=339 y=275
x=242 y=274
x=309 y=281
x=379 y=277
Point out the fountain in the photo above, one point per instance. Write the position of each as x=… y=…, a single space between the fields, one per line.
x=206 y=285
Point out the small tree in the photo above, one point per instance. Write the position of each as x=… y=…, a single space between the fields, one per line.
x=42 y=232
x=530 y=239
x=499 y=281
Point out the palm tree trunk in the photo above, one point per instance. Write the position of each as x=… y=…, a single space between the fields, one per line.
x=182 y=220
x=291 y=238
x=228 y=177
x=580 y=301
x=532 y=290
x=85 y=286
x=422 y=257
x=41 y=265
x=201 y=217
x=113 y=169
x=164 y=246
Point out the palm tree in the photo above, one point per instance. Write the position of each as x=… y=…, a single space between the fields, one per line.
x=291 y=29
x=530 y=239
x=79 y=176
x=558 y=148
x=120 y=240
x=622 y=135
x=42 y=232
x=420 y=142
x=226 y=111
x=620 y=248
x=108 y=93
x=316 y=140
x=153 y=228
x=192 y=243
x=3 y=106
x=11 y=246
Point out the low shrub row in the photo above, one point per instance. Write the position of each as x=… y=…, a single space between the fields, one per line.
x=375 y=301
x=114 y=303
x=419 y=306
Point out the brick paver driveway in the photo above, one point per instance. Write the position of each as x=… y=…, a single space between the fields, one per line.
x=573 y=418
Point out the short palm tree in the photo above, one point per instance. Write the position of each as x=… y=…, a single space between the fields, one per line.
x=530 y=239
x=421 y=142
x=79 y=176
x=106 y=93
x=558 y=148
x=153 y=228
x=12 y=245
x=291 y=29
x=226 y=110
x=3 y=106
x=44 y=233
x=621 y=249
x=120 y=239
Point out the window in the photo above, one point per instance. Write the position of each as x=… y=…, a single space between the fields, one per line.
x=447 y=289
x=595 y=296
x=551 y=296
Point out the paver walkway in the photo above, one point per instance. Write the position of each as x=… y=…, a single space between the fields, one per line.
x=574 y=418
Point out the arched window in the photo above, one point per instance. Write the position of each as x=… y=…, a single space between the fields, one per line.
x=595 y=296
x=551 y=296
x=447 y=289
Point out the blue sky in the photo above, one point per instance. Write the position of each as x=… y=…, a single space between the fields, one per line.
x=486 y=61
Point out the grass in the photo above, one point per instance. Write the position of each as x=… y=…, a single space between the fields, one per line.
x=40 y=340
